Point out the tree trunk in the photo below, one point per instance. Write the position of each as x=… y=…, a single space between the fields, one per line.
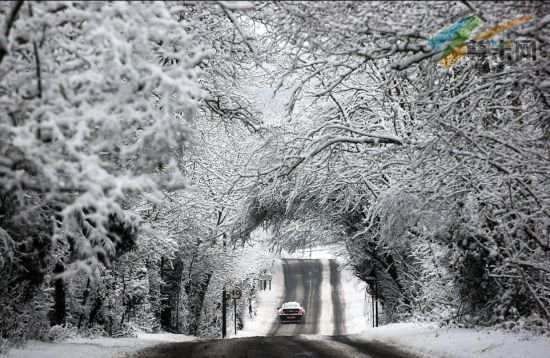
x=59 y=313
x=198 y=308
x=98 y=302
x=123 y=300
x=84 y=300
x=170 y=291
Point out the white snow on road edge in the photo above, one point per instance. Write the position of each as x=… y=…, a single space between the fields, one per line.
x=266 y=309
x=433 y=341
x=94 y=347
x=357 y=303
x=353 y=301
x=326 y=313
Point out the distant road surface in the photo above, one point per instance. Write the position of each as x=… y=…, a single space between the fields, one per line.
x=303 y=279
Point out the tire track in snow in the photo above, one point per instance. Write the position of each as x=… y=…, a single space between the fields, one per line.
x=286 y=275
x=337 y=302
x=313 y=302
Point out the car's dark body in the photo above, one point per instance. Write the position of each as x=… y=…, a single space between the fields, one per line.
x=291 y=312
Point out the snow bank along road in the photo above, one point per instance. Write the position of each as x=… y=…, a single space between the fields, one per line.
x=314 y=283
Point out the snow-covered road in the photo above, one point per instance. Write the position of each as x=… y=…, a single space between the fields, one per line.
x=331 y=313
x=303 y=280
x=334 y=299
x=316 y=285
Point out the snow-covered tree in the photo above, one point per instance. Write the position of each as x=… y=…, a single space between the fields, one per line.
x=450 y=165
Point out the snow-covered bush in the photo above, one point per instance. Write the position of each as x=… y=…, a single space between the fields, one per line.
x=60 y=333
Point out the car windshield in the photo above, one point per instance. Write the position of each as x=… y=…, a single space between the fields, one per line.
x=291 y=305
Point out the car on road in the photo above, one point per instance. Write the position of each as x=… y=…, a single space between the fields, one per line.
x=291 y=312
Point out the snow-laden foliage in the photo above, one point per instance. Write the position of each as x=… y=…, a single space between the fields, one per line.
x=90 y=114
x=102 y=106
x=439 y=177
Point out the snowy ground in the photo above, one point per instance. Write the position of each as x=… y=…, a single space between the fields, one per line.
x=432 y=341
x=267 y=304
x=94 y=348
